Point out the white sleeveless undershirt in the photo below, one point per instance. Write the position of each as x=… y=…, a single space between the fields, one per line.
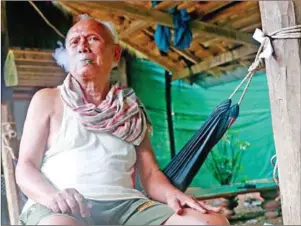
x=97 y=164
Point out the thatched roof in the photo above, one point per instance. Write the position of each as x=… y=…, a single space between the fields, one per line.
x=222 y=31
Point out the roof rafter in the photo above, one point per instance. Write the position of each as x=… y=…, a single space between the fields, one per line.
x=215 y=61
x=151 y=57
x=156 y=16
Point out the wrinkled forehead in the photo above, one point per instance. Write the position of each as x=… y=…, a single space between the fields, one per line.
x=86 y=27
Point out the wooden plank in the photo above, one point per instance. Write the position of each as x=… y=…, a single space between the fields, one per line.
x=39 y=68
x=216 y=61
x=228 y=190
x=284 y=81
x=239 y=8
x=210 y=8
x=22 y=96
x=157 y=17
x=8 y=168
x=35 y=62
x=247 y=23
x=35 y=55
x=186 y=5
x=41 y=75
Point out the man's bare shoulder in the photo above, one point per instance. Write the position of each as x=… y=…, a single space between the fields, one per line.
x=45 y=99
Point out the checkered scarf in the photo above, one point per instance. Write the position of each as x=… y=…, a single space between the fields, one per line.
x=121 y=113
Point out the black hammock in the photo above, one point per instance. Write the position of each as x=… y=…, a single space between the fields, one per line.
x=185 y=165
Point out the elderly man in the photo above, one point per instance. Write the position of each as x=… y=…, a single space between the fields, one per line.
x=95 y=136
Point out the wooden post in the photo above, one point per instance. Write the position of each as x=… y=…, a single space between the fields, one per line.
x=284 y=81
x=168 y=101
x=8 y=165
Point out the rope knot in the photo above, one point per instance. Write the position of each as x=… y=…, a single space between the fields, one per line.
x=256 y=65
x=7 y=134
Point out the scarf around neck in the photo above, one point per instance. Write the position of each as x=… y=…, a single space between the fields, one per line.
x=120 y=113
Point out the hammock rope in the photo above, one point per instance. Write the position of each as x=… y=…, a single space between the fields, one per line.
x=265 y=51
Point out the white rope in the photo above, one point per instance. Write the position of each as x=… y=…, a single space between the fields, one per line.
x=265 y=51
x=7 y=134
x=275 y=178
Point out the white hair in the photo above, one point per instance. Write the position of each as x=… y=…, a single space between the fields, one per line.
x=60 y=53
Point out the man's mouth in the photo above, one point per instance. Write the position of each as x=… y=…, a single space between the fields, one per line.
x=87 y=61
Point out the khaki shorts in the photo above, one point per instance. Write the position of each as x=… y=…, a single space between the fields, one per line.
x=121 y=212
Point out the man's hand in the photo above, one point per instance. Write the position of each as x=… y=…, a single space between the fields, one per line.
x=178 y=200
x=69 y=201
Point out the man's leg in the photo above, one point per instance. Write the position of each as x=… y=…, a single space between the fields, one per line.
x=41 y=215
x=61 y=220
x=193 y=217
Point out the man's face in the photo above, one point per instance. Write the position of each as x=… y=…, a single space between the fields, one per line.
x=91 y=50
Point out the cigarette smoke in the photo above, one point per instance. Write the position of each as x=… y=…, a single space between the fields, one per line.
x=60 y=56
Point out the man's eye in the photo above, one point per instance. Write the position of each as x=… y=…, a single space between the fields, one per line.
x=93 y=39
x=74 y=42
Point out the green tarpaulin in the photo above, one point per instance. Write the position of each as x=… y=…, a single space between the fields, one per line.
x=192 y=104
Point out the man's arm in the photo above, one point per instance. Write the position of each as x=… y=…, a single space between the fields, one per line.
x=157 y=185
x=154 y=182
x=33 y=143
x=32 y=147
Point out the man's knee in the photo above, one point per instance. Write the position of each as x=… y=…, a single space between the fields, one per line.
x=209 y=219
x=217 y=219
x=61 y=220
x=193 y=217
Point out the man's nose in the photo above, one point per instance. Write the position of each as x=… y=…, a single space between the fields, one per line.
x=83 y=47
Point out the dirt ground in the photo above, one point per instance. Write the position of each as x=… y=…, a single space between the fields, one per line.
x=249 y=211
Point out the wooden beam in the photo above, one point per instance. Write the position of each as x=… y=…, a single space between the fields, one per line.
x=157 y=17
x=151 y=57
x=137 y=25
x=284 y=81
x=186 y=54
x=216 y=61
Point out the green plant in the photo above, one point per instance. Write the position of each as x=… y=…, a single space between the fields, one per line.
x=225 y=159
